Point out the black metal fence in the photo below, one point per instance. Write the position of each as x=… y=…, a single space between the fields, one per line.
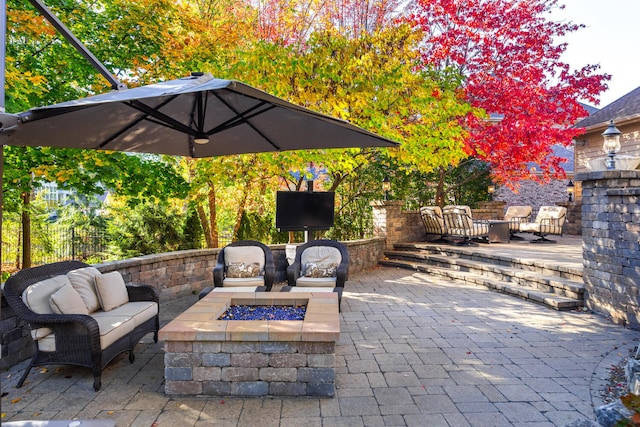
x=53 y=242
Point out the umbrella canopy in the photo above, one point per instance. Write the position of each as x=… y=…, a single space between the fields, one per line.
x=196 y=116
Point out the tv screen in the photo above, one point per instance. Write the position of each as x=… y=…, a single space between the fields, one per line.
x=304 y=210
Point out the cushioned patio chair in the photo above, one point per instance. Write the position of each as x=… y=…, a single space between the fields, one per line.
x=549 y=220
x=433 y=221
x=461 y=226
x=517 y=215
x=319 y=266
x=243 y=266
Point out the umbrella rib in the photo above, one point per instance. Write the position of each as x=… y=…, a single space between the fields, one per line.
x=244 y=118
x=163 y=118
x=133 y=123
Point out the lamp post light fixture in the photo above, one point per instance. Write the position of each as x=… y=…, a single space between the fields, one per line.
x=611 y=144
x=386 y=187
x=491 y=189
x=570 y=190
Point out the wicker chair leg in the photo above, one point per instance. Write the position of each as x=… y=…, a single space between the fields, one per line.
x=97 y=382
x=26 y=372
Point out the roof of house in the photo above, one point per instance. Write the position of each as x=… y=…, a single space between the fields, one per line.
x=622 y=109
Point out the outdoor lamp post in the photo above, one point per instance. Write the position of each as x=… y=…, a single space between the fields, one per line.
x=570 y=190
x=611 y=144
x=491 y=189
x=386 y=187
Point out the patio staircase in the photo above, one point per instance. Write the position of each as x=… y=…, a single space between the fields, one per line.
x=557 y=285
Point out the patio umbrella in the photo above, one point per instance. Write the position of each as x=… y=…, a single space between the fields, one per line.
x=196 y=116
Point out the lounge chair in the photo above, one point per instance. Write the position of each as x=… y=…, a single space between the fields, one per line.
x=549 y=220
x=243 y=266
x=461 y=226
x=319 y=266
x=517 y=215
x=433 y=221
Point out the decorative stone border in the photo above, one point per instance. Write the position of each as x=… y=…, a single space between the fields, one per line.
x=207 y=356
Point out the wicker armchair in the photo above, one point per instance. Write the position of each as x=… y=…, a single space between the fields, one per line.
x=76 y=339
x=247 y=252
x=329 y=258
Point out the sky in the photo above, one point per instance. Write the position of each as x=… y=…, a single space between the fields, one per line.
x=611 y=38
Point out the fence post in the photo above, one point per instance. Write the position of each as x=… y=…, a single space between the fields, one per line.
x=73 y=243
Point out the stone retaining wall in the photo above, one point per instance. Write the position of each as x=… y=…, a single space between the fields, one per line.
x=611 y=243
x=173 y=274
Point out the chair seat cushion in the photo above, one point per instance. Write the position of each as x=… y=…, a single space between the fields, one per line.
x=530 y=227
x=111 y=329
x=243 y=281
x=309 y=289
x=324 y=282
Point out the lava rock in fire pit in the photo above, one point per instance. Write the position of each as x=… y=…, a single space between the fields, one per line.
x=264 y=312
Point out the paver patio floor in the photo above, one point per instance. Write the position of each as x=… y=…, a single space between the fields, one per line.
x=414 y=350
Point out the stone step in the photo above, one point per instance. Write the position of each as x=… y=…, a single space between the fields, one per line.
x=549 y=299
x=545 y=282
x=558 y=269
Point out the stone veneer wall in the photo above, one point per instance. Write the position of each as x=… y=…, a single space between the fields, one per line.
x=274 y=368
x=394 y=225
x=611 y=243
x=173 y=274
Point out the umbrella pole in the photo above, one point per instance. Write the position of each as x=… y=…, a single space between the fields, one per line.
x=3 y=39
x=81 y=48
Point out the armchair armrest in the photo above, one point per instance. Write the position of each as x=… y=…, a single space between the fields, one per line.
x=269 y=275
x=293 y=273
x=341 y=275
x=142 y=293
x=218 y=274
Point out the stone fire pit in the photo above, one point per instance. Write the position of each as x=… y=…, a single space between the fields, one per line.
x=207 y=356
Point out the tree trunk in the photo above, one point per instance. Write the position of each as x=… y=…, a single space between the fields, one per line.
x=440 y=187
x=242 y=206
x=202 y=216
x=26 y=230
x=213 y=219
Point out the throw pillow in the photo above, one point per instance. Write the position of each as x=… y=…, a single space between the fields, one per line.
x=321 y=269
x=243 y=270
x=111 y=290
x=67 y=300
x=83 y=281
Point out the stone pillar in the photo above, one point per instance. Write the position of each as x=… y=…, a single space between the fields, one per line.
x=611 y=243
x=395 y=225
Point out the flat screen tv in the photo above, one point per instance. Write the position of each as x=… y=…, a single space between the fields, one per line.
x=304 y=210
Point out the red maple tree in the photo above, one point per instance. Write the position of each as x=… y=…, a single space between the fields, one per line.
x=508 y=52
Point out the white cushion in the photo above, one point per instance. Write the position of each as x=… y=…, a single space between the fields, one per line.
x=310 y=289
x=111 y=290
x=235 y=289
x=111 y=328
x=240 y=282
x=139 y=311
x=83 y=281
x=244 y=254
x=36 y=296
x=319 y=255
x=67 y=300
x=328 y=282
